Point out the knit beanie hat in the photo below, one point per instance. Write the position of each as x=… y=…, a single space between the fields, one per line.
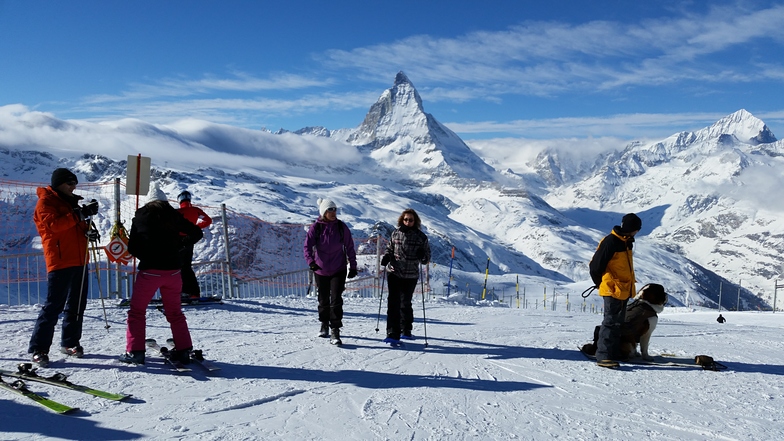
x=61 y=176
x=155 y=193
x=630 y=223
x=324 y=204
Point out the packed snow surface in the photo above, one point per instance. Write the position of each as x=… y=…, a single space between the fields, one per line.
x=487 y=372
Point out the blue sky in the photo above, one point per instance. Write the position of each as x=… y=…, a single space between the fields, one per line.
x=489 y=69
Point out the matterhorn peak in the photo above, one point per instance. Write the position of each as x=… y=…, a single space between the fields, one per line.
x=401 y=78
x=399 y=103
x=399 y=132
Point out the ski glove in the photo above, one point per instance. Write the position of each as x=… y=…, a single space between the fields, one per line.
x=352 y=273
x=88 y=210
x=314 y=266
x=385 y=260
x=93 y=235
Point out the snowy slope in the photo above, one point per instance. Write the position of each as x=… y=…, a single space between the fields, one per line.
x=487 y=373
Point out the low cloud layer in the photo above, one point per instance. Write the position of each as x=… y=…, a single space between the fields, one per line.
x=191 y=142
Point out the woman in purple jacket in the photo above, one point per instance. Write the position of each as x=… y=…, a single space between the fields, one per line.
x=328 y=248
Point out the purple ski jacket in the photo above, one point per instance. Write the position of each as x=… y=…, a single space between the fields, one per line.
x=327 y=250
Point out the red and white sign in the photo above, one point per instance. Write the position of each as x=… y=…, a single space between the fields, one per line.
x=117 y=251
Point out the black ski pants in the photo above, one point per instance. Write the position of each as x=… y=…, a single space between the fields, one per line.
x=609 y=343
x=62 y=296
x=330 y=298
x=400 y=313
x=190 y=285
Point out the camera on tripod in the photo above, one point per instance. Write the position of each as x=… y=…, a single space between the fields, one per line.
x=85 y=212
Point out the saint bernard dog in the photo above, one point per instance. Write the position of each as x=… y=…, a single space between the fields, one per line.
x=642 y=316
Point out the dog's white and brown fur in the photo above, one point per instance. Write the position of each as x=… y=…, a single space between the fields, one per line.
x=642 y=316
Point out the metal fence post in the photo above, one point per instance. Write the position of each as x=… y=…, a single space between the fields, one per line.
x=228 y=252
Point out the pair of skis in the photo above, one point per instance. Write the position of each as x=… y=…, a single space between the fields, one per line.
x=196 y=356
x=26 y=372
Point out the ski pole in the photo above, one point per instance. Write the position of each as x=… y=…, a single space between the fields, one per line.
x=79 y=312
x=100 y=290
x=310 y=282
x=381 y=296
x=424 y=319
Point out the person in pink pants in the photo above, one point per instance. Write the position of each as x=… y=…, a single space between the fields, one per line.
x=158 y=232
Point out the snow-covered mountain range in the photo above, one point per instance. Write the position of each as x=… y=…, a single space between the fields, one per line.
x=706 y=199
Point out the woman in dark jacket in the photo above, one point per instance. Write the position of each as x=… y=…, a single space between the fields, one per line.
x=408 y=248
x=156 y=240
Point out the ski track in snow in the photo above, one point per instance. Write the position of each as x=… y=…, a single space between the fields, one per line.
x=487 y=373
x=260 y=401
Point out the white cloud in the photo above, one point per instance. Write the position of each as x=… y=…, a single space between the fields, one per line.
x=192 y=143
x=240 y=111
x=239 y=82
x=543 y=58
x=517 y=153
x=639 y=126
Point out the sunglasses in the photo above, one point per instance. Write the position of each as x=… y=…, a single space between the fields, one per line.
x=408 y=219
x=332 y=209
x=72 y=183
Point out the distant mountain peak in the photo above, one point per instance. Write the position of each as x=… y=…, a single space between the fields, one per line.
x=742 y=125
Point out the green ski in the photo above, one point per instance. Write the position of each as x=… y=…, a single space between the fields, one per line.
x=19 y=387
x=60 y=380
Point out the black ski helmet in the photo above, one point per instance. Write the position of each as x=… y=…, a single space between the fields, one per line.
x=184 y=196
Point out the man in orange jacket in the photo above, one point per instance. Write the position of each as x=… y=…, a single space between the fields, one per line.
x=190 y=286
x=64 y=227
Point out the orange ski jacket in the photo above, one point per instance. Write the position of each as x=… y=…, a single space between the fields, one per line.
x=62 y=233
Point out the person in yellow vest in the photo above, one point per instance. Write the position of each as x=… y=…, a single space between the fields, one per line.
x=612 y=271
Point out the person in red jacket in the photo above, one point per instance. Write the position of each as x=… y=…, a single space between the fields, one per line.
x=190 y=286
x=64 y=227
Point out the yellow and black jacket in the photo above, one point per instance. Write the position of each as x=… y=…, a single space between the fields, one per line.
x=612 y=267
